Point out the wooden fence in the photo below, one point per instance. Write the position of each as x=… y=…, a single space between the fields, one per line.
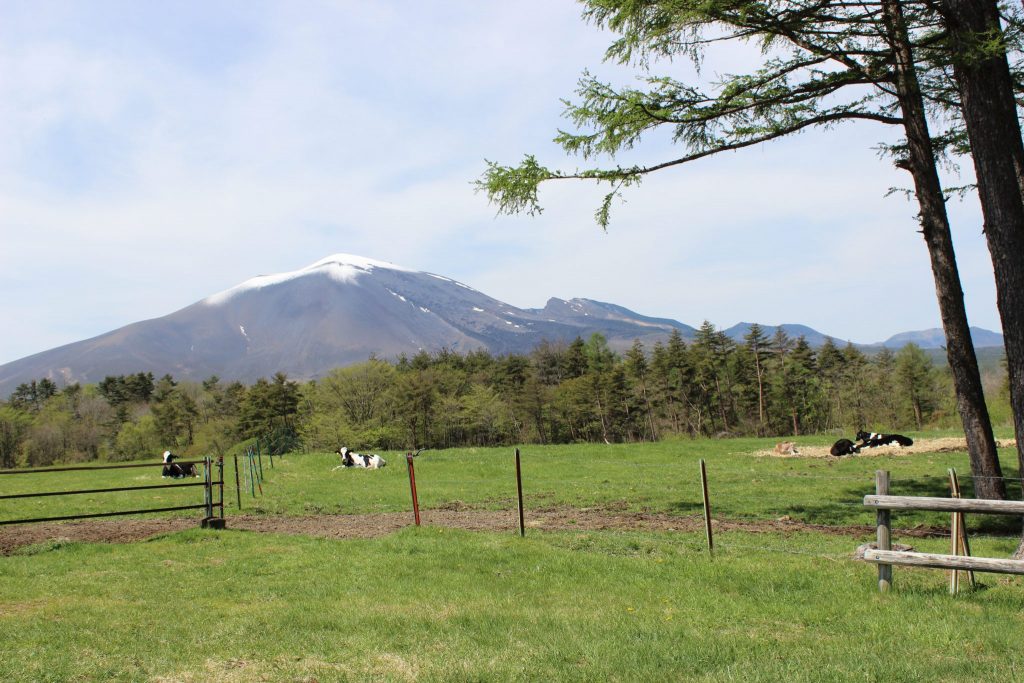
x=885 y=557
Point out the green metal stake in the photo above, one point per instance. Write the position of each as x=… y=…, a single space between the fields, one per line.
x=259 y=455
x=255 y=475
x=249 y=471
x=238 y=489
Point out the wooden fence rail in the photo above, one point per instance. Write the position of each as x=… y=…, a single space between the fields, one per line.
x=961 y=562
x=885 y=557
x=988 y=507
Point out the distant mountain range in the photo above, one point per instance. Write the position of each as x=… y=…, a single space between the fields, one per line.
x=343 y=309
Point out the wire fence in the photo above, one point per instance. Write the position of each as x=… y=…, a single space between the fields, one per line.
x=777 y=500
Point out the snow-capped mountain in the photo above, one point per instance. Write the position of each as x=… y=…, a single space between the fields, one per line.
x=339 y=311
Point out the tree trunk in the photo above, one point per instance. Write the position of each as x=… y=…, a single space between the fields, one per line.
x=650 y=413
x=721 y=404
x=760 y=395
x=987 y=96
x=963 y=363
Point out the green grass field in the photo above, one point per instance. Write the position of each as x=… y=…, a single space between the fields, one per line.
x=432 y=604
x=438 y=604
x=660 y=477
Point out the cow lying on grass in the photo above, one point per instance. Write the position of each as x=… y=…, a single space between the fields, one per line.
x=871 y=440
x=350 y=459
x=844 y=447
x=176 y=471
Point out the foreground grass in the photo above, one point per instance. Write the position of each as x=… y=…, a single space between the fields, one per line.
x=432 y=604
x=659 y=477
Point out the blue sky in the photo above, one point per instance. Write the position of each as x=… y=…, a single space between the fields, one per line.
x=152 y=154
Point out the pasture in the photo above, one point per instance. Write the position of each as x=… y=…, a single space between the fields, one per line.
x=612 y=582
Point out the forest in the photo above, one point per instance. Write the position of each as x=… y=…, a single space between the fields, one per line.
x=581 y=391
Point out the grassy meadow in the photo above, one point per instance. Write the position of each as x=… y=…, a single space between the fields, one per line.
x=439 y=604
x=654 y=477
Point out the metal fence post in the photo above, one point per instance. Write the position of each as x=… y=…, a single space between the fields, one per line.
x=220 y=469
x=208 y=489
x=519 y=488
x=707 y=506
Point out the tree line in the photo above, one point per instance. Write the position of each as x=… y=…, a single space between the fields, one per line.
x=583 y=391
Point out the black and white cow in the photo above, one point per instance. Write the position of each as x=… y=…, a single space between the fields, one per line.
x=871 y=439
x=351 y=459
x=844 y=447
x=176 y=471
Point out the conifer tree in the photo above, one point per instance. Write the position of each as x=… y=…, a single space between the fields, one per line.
x=757 y=343
x=915 y=381
x=636 y=365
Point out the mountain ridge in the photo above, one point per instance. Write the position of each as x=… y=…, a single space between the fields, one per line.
x=341 y=310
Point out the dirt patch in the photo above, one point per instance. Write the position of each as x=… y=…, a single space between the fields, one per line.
x=372 y=526
x=946 y=445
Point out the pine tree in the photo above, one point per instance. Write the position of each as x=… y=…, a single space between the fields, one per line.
x=915 y=382
x=636 y=366
x=757 y=344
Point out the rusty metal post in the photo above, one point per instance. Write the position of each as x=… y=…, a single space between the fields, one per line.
x=412 y=486
x=707 y=506
x=519 y=487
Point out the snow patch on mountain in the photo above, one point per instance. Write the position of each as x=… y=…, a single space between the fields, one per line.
x=345 y=268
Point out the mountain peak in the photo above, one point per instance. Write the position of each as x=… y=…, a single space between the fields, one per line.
x=340 y=267
x=354 y=261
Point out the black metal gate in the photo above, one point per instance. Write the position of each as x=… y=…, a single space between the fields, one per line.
x=208 y=484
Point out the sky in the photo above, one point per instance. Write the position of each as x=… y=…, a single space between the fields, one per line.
x=152 y=154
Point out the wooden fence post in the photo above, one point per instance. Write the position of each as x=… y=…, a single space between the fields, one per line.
x=884 y=540
x=958 y=535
